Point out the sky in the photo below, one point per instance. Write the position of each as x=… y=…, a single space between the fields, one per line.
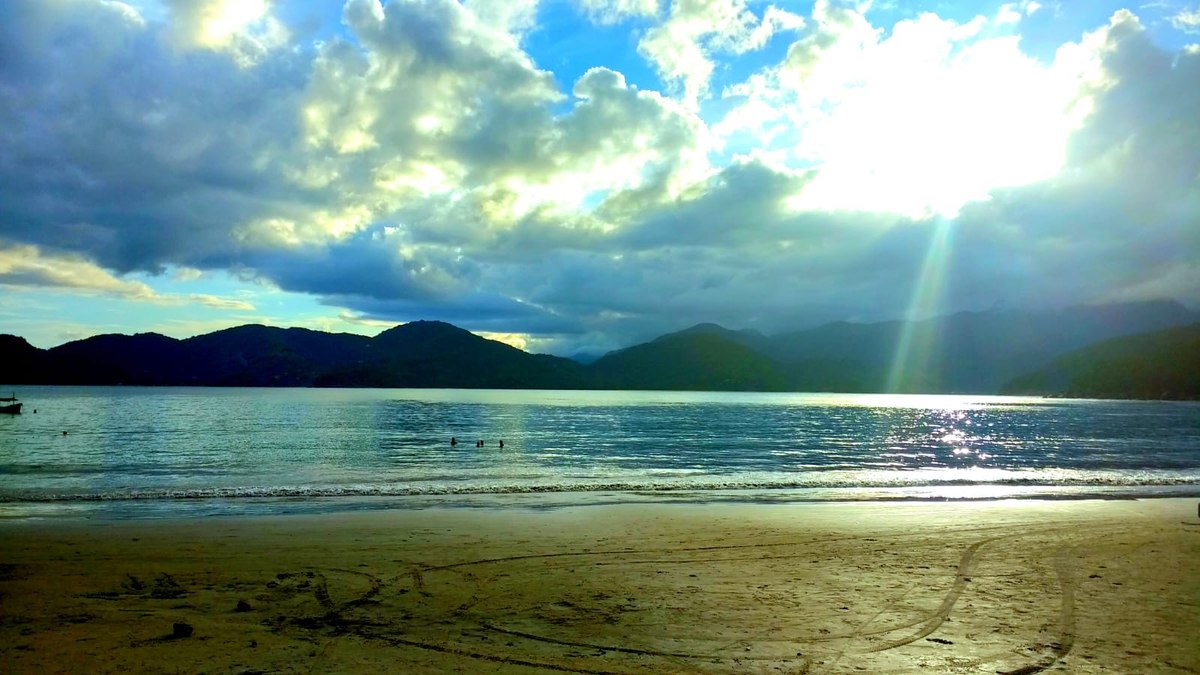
x=579 y=176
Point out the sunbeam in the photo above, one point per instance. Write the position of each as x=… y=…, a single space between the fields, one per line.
x=914 y=350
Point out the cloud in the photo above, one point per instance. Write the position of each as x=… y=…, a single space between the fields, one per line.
x=609 y=12
x=27 y=267
x=1187 y=20
x=418 y=162
x=221 y=303
x=1118 y=223
x=359 y=320
x=118 y=148
x=244 y=29
x=511 y=16
x=680 y=48
x=921 y=121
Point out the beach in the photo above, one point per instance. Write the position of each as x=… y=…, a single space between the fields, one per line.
x=989 y=586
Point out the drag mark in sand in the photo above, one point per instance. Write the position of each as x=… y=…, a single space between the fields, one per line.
x=335 y=620
x=507 y=660
x=464 y=612
x=589 y=645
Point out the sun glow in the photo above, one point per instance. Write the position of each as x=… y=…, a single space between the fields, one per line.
x=930 y=119
x=221 y=20
x=518 y=340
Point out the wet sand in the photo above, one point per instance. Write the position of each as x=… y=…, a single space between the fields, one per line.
x=984 y=587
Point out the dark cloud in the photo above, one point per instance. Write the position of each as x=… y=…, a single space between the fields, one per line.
x=120 y=148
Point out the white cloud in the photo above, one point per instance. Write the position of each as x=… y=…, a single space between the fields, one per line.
x=1013 y=12
x=217 y=302
x=28 y=267
x=681 y=47
x=1187 y=20
x=1008 y=14
x=360 y=320
x=931 y=117
x=449 y=119
x=609 y=12
x=243 y=28
x=510 y=16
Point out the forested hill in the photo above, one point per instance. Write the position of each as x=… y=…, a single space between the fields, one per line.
x=1160 y=365
x=961 y=353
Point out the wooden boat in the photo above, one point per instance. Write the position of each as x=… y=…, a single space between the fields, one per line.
x=10 y=406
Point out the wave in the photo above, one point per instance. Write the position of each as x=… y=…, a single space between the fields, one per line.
x=642 y=487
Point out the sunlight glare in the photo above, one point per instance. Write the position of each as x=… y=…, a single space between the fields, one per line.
x=927 y=131
x=223 y=19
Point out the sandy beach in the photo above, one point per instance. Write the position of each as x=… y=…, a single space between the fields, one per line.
x=980 y=587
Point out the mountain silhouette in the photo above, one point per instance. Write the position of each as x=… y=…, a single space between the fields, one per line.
x=968 y=352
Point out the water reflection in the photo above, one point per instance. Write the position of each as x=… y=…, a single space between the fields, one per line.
x=258 y=442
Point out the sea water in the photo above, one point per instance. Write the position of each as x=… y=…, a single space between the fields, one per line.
x=157 y=452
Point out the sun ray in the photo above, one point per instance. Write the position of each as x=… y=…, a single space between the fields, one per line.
x=916 y=344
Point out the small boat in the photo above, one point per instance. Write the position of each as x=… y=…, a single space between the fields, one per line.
x=10 y=406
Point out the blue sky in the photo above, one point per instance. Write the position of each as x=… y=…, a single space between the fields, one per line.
x=578 y=176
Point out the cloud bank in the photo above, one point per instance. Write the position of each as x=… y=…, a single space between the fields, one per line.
x=416 y=160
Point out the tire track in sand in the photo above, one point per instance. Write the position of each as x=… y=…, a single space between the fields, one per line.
x=1066 y=621
x=965 y=566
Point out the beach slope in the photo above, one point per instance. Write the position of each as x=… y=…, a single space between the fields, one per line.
x=978 y=587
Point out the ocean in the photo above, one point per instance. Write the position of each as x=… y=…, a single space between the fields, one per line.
x=140 y=452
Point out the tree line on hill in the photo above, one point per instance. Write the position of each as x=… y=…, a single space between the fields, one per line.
x=1132 y=350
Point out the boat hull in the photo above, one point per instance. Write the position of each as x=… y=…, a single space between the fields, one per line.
x=11 y=409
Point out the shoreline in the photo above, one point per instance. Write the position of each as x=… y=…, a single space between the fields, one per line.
x=1011 y=586
x=182 y=508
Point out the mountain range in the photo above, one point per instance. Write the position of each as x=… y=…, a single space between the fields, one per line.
x=970 y=352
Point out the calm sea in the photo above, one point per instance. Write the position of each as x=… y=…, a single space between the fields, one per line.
x=156 y=452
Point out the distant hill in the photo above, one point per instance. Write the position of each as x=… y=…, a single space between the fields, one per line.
x=969 y=352
x=1163 y=364
x=690 y=360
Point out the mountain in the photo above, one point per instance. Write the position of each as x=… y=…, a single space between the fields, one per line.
x=145 y=359
x=1162 y=364
x=746 y=337
x=967 y=352
x=263 y=356
x=23 y=363
x=689 y=360
x=418 y=354
x=437 y=354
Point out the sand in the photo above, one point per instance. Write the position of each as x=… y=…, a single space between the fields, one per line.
x=982 y=587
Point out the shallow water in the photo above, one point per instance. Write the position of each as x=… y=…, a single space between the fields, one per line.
x=132 y=451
